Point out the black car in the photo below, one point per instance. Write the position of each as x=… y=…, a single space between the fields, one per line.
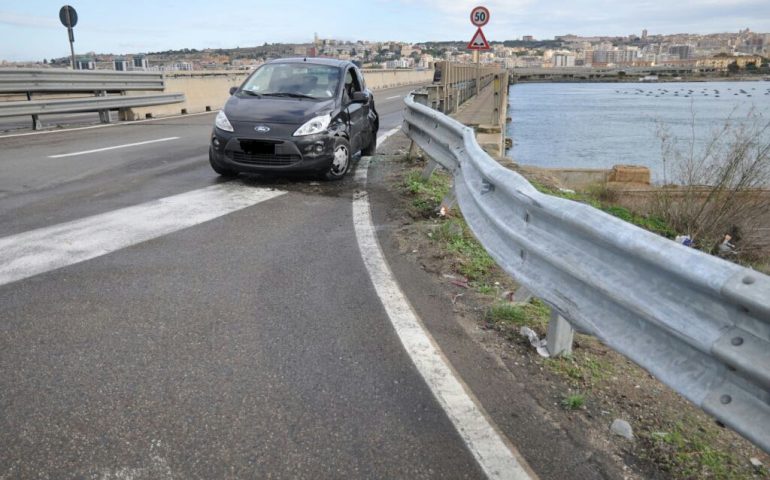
x=295 y=115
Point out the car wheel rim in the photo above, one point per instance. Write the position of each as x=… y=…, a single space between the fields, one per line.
x=340 y=163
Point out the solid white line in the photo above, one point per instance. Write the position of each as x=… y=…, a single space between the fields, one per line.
x=106 y=125
x=491 y=451
x=387 y=135
x=38 y=251
x=85 y=152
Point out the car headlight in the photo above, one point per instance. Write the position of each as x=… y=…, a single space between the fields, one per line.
x=314 y=125
x=222 y=122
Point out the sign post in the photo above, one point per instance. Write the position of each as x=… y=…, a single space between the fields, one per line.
x=479 y=18
x=69 y=18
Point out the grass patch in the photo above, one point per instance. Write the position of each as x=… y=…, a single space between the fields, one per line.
x=532 y=314
x=427 y=194
x=486 y=289
x=686 y=451
x=471 y=260
x=573 y=401
x=581 y=369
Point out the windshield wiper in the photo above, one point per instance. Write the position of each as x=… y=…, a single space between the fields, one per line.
x=288 y=94
x=249 y=92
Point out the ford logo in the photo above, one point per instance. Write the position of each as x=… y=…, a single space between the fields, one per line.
x=262 y=129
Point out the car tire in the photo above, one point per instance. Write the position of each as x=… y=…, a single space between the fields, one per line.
x=221 y=170
x=340 y=160
x=370 y=149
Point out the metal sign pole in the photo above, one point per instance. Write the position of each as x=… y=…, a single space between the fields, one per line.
x=72 y=46
x=69 y=18
x=478 y=71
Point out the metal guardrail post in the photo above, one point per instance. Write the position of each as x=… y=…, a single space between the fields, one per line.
x=560 y=335
x=430 y=167
x=36 y=123
x=104 y=115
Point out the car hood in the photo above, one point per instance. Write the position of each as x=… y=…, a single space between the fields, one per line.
x=275 y=110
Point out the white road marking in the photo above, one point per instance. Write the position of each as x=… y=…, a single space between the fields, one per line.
x=495 y=456
x=106 y=125
x=86 y=152
x=394 y=96
x=38 y=251
x=387 y=135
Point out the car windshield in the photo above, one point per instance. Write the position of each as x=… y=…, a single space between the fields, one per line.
x=294 y=80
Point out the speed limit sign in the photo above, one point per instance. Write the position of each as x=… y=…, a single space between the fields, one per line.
x=480 y=16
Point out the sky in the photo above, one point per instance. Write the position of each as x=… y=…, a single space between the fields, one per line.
x=30 y=30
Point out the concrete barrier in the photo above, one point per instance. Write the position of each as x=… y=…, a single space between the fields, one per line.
x=210 y=90
x=203 y=90
x=379 y=79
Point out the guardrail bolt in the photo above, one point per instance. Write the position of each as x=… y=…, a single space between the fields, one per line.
x=748 y=280
x=487 y=186
x=726 y=399
x=737 y=341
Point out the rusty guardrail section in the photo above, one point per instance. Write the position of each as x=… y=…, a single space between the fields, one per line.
x=698 y=323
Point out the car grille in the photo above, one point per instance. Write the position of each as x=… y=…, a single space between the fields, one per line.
x=264 y=159
x=262 y=152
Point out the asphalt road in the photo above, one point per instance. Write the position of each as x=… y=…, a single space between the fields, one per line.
x=158 y=322
x=251 y=345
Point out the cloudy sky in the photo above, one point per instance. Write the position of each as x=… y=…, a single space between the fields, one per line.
x=30 y=30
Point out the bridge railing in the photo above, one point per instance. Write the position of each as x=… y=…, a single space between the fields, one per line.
x=41 y=84
x=698 y=323
x=457 y=83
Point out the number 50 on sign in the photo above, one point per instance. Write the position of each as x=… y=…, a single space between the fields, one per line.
x=480 y=16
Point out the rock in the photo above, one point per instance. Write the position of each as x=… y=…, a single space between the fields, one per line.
x=755 y=462
x=622 y=428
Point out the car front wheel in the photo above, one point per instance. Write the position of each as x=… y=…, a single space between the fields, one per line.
x=340 y=161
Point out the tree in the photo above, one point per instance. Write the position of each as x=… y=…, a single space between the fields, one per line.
x=733 y=67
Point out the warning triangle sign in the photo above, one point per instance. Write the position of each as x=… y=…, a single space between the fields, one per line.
x=479 y=41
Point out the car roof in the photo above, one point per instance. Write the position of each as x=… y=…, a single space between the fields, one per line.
x=332 y=62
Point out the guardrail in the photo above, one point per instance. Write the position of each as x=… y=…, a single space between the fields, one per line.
x=89 y=104
x=60 y=80
x=51 y=81
x=698 y=323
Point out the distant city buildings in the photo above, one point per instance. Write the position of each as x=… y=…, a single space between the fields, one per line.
x=714 y=51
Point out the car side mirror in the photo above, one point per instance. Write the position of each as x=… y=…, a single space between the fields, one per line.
x=360 y=97
x=233 y=90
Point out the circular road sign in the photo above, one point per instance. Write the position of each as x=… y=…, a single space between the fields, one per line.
x=68 y=16
x=480 y=16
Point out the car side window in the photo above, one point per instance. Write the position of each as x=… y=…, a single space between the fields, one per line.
x=351 y=85
x=361 y=79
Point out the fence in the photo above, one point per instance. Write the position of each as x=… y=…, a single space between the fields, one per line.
x=457 y=83
x=696 y=322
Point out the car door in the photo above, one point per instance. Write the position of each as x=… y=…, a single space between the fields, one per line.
x=357 y=112
x=371 y=122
